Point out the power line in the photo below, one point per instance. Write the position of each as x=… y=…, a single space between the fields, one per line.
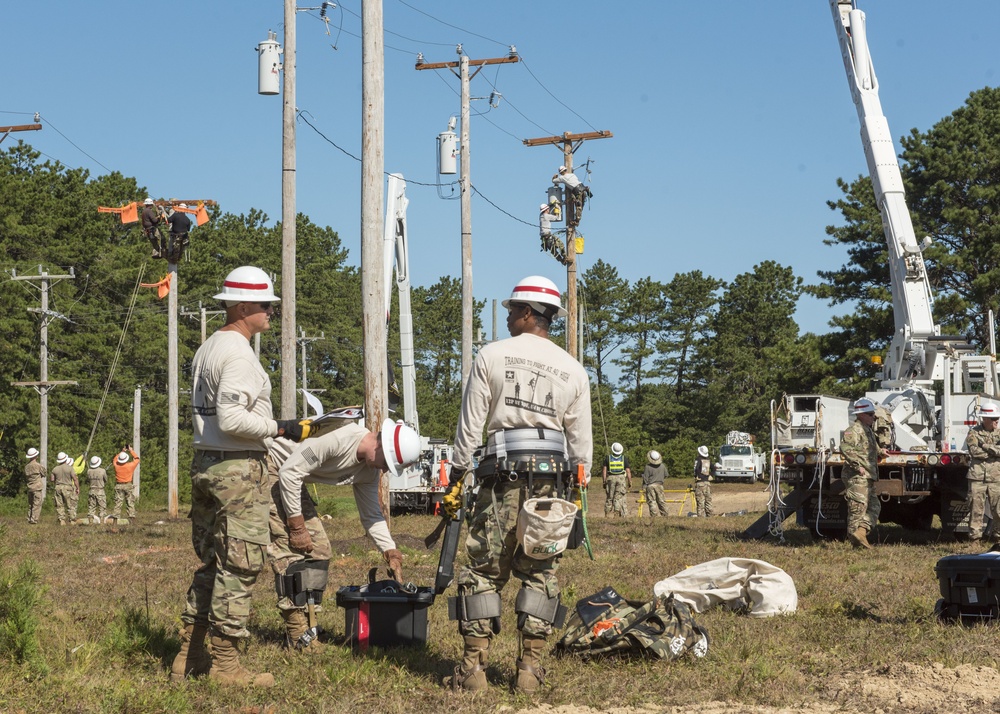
x=554 y=96
x=454 y=27
x=49 y=123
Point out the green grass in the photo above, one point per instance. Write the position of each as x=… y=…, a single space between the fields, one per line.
x=108 y=600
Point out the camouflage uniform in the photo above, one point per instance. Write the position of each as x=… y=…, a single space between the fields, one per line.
x=702 y=487
x=860 y=450
x=229 y=515
x=97 y=499
x=67 y=492
x=984 y=479
x=278 y=550
x=34 y=472
x=616 y=488
x=652 y=480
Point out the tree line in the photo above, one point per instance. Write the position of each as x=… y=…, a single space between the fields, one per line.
x=693 y=356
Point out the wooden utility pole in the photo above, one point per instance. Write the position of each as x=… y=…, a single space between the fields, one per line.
x=204 y=313
x=304 y=342
x=570 y=143
x=466 y=185
x=372 y=178
x=173 y=406
x=43 y=385
x=137 y=438
x=288 y=220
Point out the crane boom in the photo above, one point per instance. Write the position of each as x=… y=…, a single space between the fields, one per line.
x=395 y=250
x=913 y=356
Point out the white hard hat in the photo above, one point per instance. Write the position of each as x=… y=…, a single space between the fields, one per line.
x=654 y=457
x=617 y=449
x=122 y=458
x=989 y=411
x=863 y=406
x=248 y=284
x=182 y=205
x=400 y=444
x=562 y=168
x=703 y=452
x=543 y=207
x=62 y=458
x=539 y=292
x=95 y=461
x=31 y=453
x=148 y=202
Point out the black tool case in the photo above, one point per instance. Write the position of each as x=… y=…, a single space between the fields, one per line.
x=970 y=587
x=385 y=613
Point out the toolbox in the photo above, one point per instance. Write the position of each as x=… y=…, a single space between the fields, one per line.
x=385 y=613
x=970 y=587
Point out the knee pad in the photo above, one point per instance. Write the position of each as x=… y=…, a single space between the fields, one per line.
x=481 y=606
x=536 y=604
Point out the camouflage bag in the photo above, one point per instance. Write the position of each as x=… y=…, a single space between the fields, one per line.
x=607 y=624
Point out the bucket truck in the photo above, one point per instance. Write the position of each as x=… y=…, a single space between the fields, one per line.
x=417 y=488
x=931 y=384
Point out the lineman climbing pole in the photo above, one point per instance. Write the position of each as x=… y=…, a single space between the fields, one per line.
x=466 y=183
x=570 y=143
x=44 y=385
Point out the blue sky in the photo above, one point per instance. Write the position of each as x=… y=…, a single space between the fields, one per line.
x=731 y=120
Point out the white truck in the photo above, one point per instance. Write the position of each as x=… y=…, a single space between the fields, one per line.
x=931 y=385
x=420 y=487
x=739 y=459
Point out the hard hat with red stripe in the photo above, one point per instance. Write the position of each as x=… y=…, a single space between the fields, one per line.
x=540 y=293
x=400 y=444
x=248 y=284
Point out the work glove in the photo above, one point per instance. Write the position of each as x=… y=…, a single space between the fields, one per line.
x=294 y=429
x=298 y=537
x=452 y=500
x=394 y=559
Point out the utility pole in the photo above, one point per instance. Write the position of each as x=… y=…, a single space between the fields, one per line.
x=173 y=407
x=288 y=220
x=570 y=143
x=304 y=342
x=43 y=385
x=466 y=184
x=372 y=173
x=6 y=130
x=204 y=313
x=137 y=437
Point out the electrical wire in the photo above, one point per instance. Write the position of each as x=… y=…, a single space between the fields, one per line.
x=454 y=27
x=56 y=129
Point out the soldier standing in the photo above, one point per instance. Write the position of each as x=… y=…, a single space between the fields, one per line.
x=860 y=451
x=617 y=477
x=983 y=444
x=34 y=473
x=233 y=428
x=67 y=488
x=97 y=499
x=492 y=545
x=124 y=488
x=652 y=481
x=702 y=483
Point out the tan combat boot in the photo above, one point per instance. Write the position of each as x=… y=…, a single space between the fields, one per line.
x=226 y=667
x=530 y=674
x=859 y=538
x=296 y=625
x=471 y=674
x=194 y=659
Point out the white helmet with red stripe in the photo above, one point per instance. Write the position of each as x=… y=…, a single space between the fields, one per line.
x=248 y=284
x=400 y=444
x=540 y=293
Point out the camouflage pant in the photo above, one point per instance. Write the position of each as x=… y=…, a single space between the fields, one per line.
x=617 y=494
x=66 y=500
x=494 y=552
x=34 y=505
x=703 y=499
x=125 y=493
x=229 y=531
x=279 y=551
x=655 y=500
x=97 y=503
x=863 y=505
x=979 y=493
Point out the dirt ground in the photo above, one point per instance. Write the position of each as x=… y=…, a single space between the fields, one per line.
x=903 y=687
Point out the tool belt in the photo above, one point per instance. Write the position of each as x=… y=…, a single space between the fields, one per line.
x=519 y=453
